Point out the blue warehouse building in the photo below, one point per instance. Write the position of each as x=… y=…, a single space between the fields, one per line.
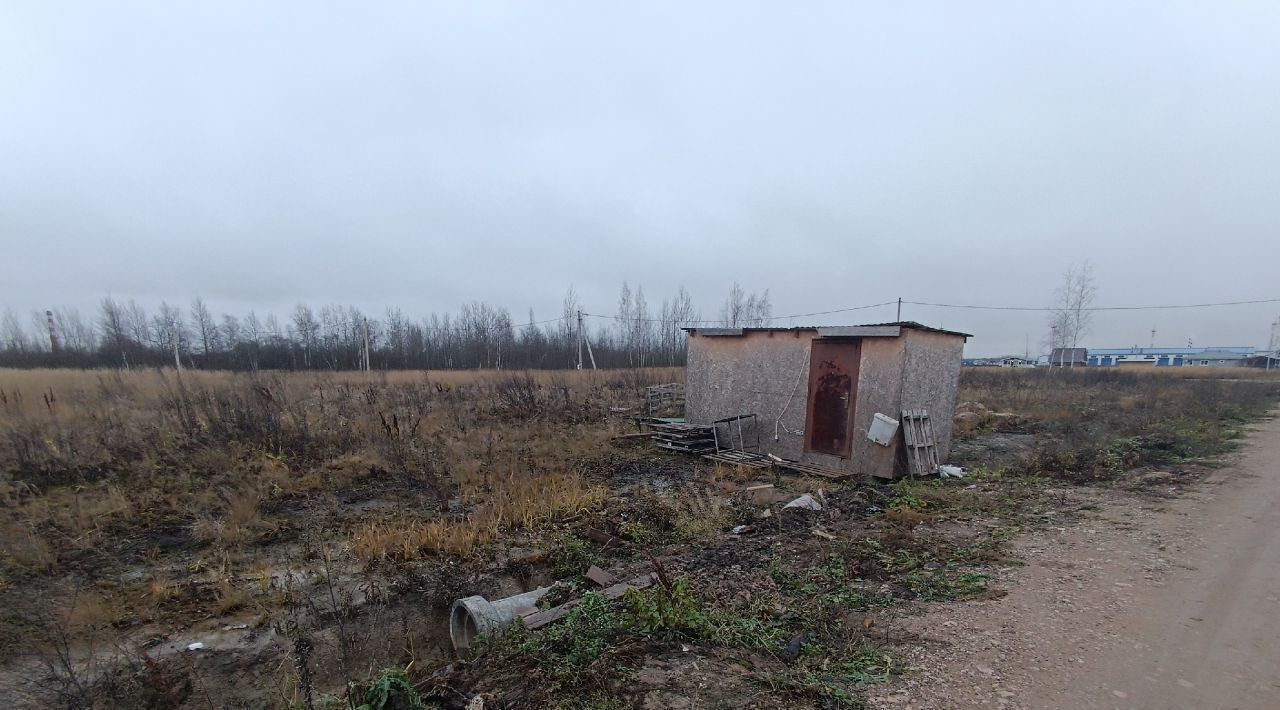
x=1170 y=357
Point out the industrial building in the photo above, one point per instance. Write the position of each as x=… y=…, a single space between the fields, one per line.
x=1235 y=356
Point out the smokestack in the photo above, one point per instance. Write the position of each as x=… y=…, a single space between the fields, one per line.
x=53 y=331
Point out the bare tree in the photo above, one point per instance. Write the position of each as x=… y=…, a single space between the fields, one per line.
x=1059 y=335
x=742 y=310
x=137 y=324
x=206 y=327
x=568 y=326
x=12 y=333
x=759 y=309
x=635 y=328
x=480 y=335
x=677 y=314
x=1072 y=318
x=170 y=331
x=76 y=333
x=305 y=329
x=40 y=341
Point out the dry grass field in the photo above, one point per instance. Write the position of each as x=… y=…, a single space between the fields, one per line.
x=310 y=531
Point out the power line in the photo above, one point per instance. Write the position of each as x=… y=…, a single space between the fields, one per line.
x=542 y=322
x=1094 y=308
x=839 y=310
x=720 y=320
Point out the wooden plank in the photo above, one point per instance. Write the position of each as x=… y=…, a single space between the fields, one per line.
x=599 y=576
x=749 y=459
x=810 y=469
x=538 y=619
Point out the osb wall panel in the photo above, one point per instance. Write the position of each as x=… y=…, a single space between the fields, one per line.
x=756 y=372
x=932 y=380
x=879 y=390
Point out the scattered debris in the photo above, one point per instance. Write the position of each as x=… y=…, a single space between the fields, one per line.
x=883 y=429
x=599 y=576
x=476 y=616
x=195 y=646
x=805 y=501
x=947 y=471
x=601 y=538
x=538 y=619
x=791 y=651
x=739 y=529
x=823 y=534
x=761 y=487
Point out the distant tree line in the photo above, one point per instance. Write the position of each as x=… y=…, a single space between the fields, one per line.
x=334 y=337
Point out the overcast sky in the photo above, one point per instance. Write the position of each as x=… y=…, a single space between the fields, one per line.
x=260 y=154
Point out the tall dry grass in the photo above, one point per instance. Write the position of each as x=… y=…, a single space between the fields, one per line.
x=1094 y=423
x=93 y=462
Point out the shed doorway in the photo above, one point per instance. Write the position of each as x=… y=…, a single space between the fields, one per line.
x=833 y=388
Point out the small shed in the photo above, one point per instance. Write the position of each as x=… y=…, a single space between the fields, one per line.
x=816 y=391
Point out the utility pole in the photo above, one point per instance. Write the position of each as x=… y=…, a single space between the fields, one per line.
x=1153 y=337
x=1273 y=347
x=899 y=309
x=589 y=353
x=579 y=339
x=53 y=332
x=366 y=345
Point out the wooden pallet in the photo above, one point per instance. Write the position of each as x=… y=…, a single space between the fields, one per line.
x=661 y=398
x=748 y=459
x=700 y=448
x=922 y=447
x=812 y=470
x=682 y=437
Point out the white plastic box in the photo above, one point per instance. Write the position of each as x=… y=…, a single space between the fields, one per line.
x=882 y=429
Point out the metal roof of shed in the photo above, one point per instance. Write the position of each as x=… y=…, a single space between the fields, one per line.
x=868 y=330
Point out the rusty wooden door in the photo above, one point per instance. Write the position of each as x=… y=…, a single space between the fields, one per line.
x=833 y=387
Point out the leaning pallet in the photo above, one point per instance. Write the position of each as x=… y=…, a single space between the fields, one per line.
x=922 y=448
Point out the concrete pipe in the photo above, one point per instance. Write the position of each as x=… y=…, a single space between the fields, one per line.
x=477 y=616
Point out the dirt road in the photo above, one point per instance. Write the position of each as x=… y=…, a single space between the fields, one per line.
x=1149 y=604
